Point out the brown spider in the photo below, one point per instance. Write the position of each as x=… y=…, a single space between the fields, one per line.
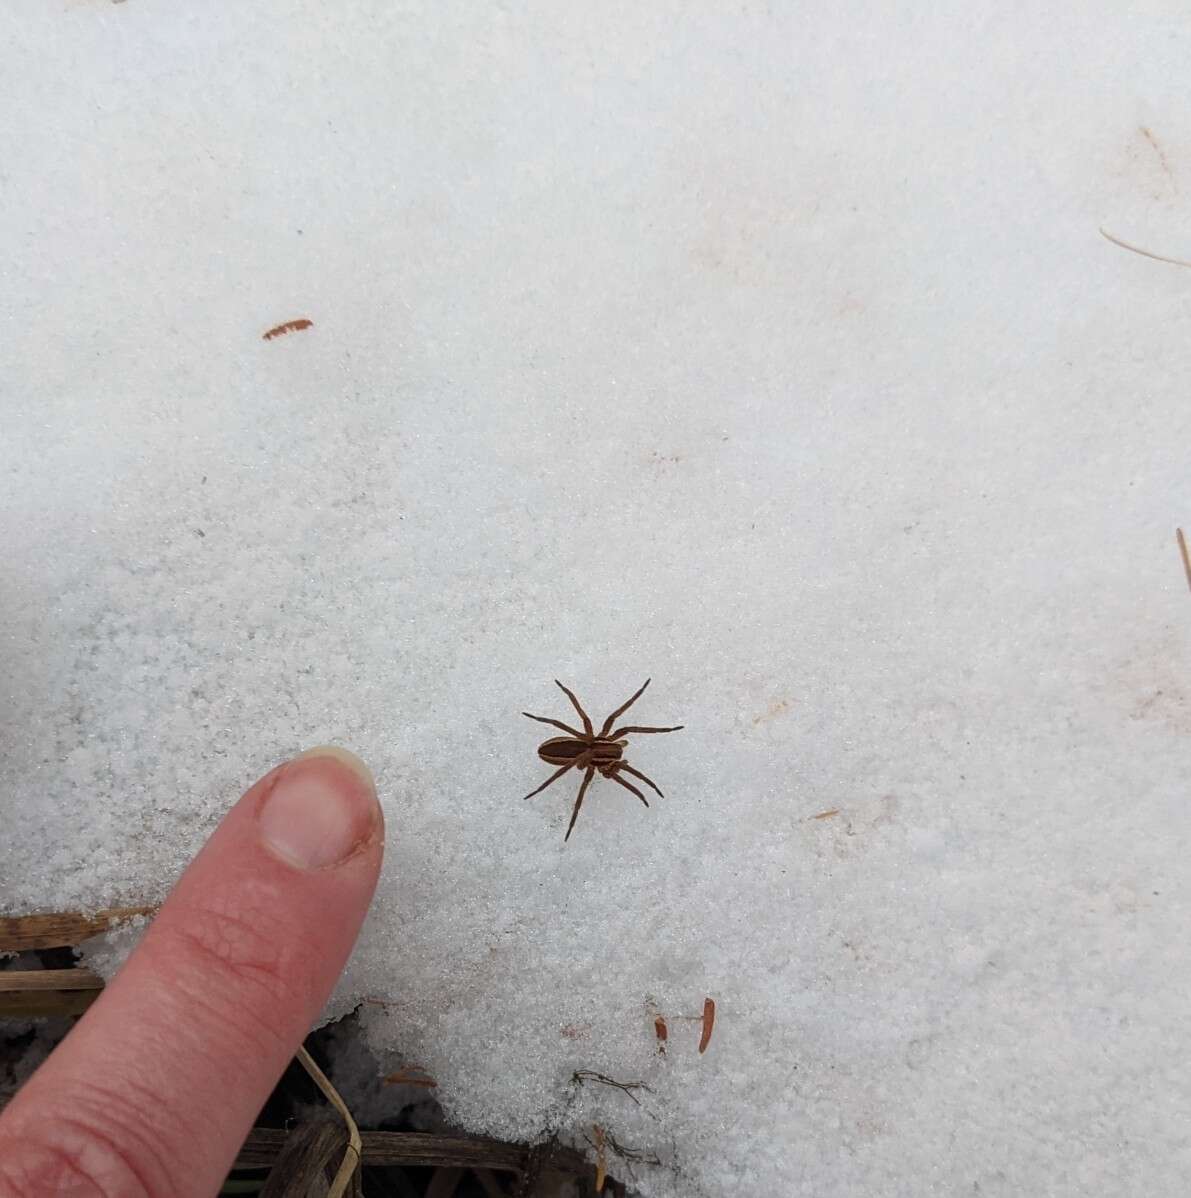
x=592 y=752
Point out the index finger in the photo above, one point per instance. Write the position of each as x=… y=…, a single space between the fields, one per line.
x=156 y=1087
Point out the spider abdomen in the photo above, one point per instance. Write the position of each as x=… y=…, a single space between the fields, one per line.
x=560 y=750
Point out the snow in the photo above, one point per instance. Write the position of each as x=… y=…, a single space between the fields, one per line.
x=770 y=351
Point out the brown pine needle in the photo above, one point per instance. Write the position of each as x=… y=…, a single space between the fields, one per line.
x=413 y=1076
x=290 y=326
x=1136 y=249
x=1183 y=552
x=1182 y=540
x=601 y=1158
x=351 y=1158
x=708 y=1023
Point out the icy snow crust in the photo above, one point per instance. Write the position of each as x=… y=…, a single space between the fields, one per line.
x=772 y=351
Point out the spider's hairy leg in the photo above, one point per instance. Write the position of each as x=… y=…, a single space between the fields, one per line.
x=554 y=777
x=579 y=801
x=634 y=728
x=623 y=708
x=627 y=785
x=542 y=719
x=628 y=769
x=582 y=714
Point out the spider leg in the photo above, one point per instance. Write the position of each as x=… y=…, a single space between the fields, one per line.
x=629 y=786
x=579 y=801
x=554 y=777
x=582 y=714
x=633 y=728
x=541 y=719
x=623 y=708
x=628 y=769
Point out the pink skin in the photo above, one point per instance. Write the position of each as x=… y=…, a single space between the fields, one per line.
x=154 y=1090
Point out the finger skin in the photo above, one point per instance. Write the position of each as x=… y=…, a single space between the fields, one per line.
x=155 y=1089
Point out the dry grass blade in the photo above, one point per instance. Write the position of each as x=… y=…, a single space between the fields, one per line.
x=1136 y=249
x=61 y=929
x=351 y=1158
x=302 y=1165
x=409 y=1148
x=28 y=994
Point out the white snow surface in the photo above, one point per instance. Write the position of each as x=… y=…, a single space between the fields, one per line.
x=769 y=350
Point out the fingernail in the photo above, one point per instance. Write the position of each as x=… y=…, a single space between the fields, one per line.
x=321 y=810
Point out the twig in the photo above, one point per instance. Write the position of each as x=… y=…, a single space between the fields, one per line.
x=1144 y=253
x=631 y=1154
x=589 y=1075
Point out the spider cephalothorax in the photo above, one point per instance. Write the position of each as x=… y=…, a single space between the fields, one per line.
x=591 y=751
